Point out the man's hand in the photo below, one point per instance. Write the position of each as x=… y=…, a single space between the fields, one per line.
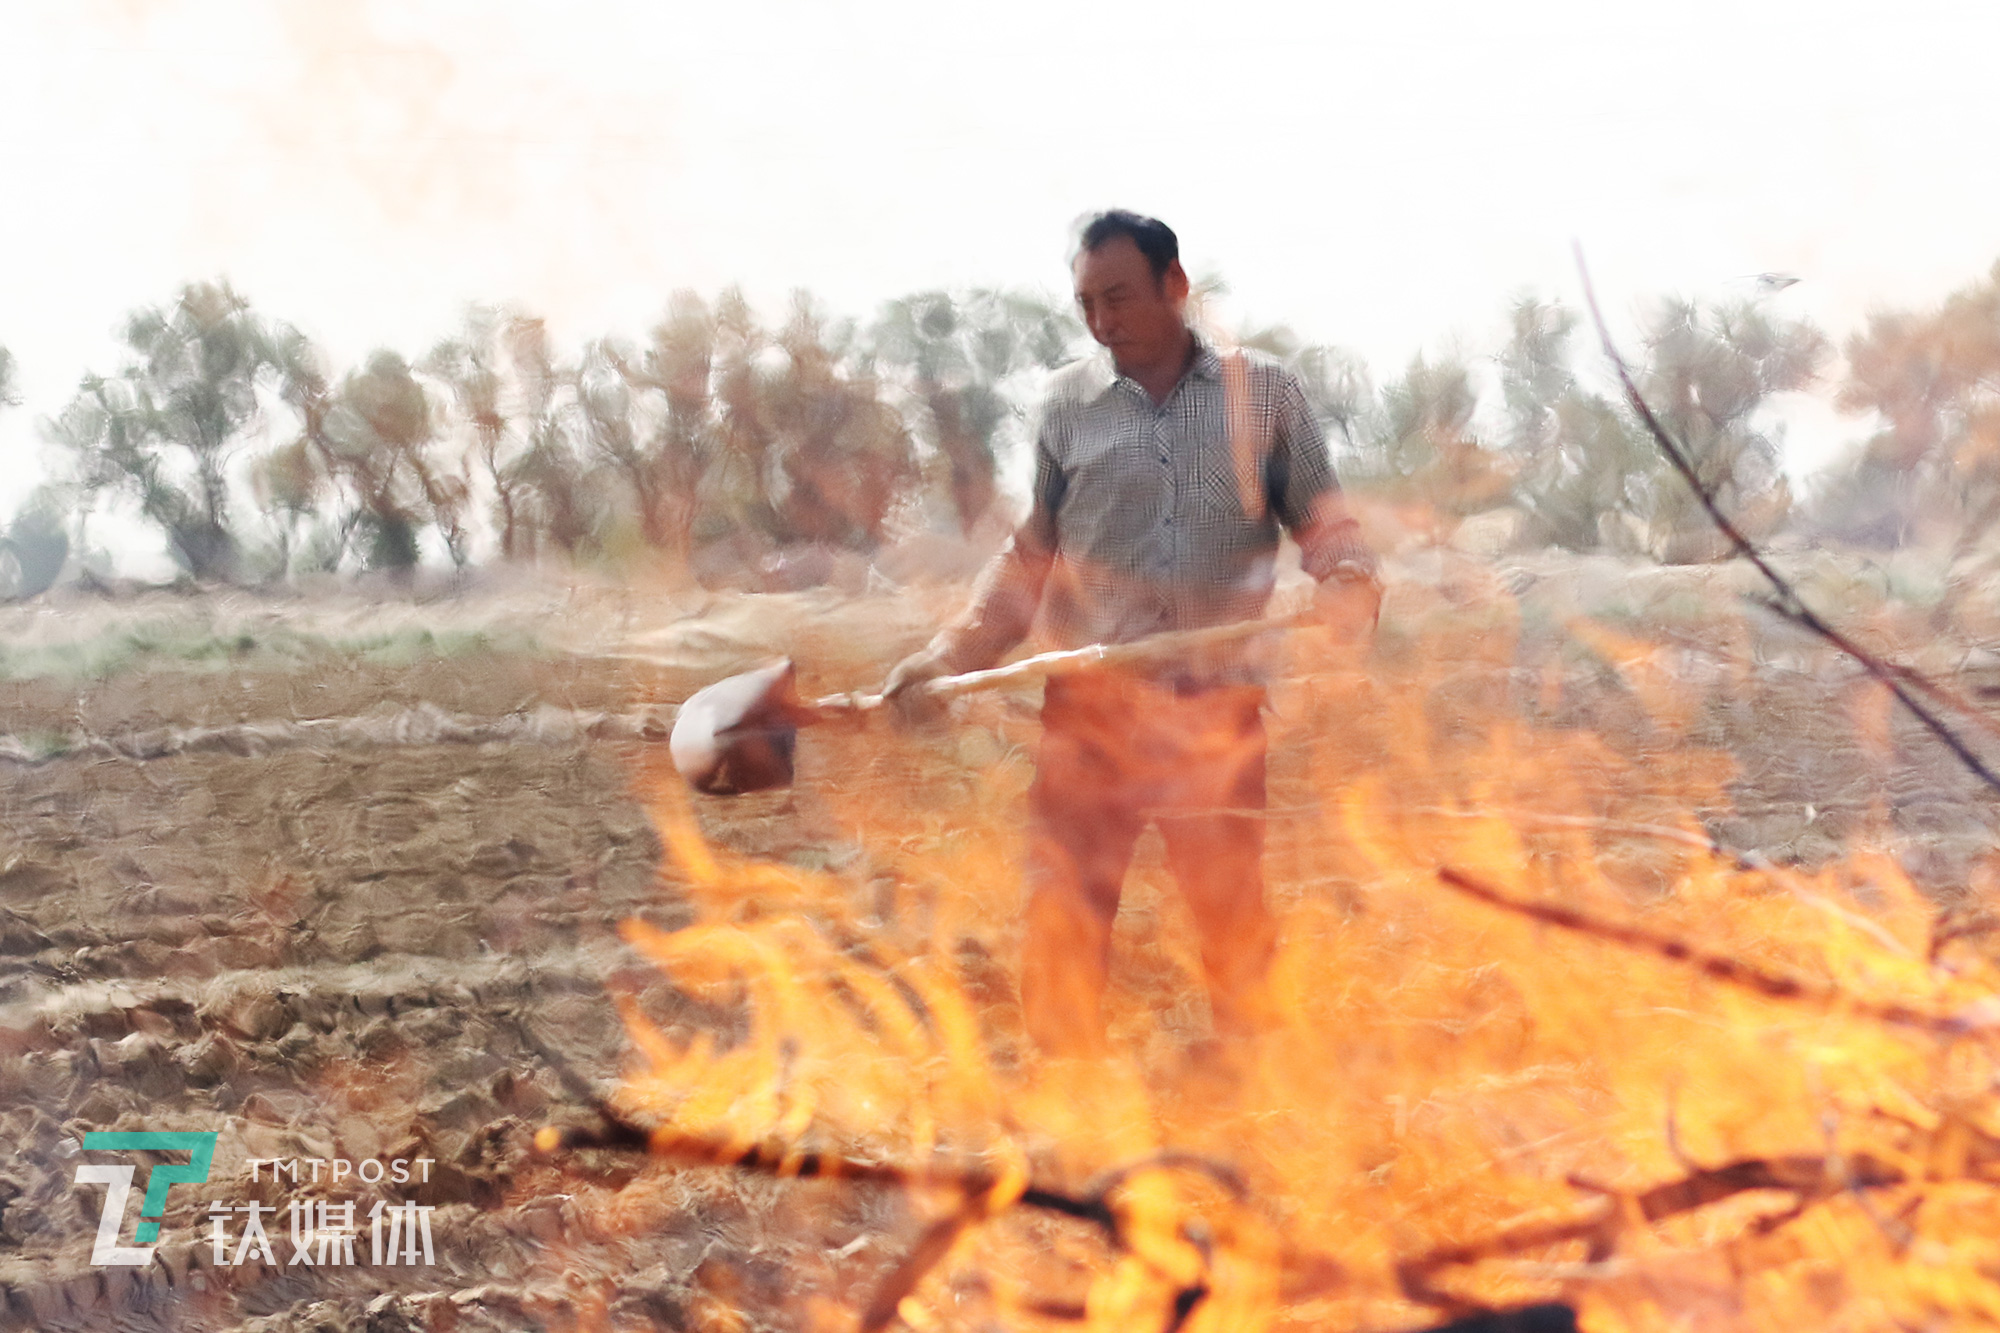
x=904 y=690
x=1349 y=602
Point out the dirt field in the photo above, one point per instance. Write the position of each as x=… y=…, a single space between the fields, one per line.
x=373 y=954
x=382 y=952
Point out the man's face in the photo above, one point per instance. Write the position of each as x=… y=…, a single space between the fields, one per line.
x=1137 y=316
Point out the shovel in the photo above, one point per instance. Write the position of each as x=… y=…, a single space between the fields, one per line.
x=739 y=734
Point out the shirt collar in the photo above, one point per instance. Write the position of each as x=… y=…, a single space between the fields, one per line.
x=1205 y=364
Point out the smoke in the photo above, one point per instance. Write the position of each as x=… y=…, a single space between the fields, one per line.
x=391 y=121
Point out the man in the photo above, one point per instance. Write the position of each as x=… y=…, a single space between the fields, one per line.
x=1162 y=474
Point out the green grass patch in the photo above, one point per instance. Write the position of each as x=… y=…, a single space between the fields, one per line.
x=152 y=644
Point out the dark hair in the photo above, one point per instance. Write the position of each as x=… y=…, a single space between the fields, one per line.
x=1155 y=239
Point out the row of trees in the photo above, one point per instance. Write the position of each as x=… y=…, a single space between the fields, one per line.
x=1580 y=472
x=231 y=435
x=1571 y=460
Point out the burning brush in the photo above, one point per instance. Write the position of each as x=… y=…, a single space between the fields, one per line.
x=1505 y=1083
x=853 y=1054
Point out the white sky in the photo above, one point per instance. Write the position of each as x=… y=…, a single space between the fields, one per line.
x=1381 y=175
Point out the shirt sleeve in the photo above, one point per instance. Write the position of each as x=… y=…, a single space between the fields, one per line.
x=1304 y=493
x=1008 y=591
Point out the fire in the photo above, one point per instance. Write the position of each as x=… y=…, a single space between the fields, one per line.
x=1531 y=1038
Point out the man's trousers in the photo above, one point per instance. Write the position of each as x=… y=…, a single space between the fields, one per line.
x=1116 y=752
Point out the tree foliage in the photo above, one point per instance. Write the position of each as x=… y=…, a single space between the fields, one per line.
x=1580 y=468
x=165 y=427
x=378 y=439
x=1572 y=461
x=652 y=415
x=1423 y=443
x=1932 y=469
x=1707 y=375
x=472 y=369
x=716 y=426
x=34 y=545
x=562 y=502
x=961 y=352
x=838 y=455
x=1341 y=394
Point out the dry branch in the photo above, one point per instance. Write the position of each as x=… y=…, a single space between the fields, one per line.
x=1903 y=671
x=1809 y=1179
x=1734 y=971
x=983 y=1194
x=1092 y=1205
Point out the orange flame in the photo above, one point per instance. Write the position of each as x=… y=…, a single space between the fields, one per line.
x=1443 y=1082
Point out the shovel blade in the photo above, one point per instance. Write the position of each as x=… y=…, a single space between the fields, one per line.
x=739 y=734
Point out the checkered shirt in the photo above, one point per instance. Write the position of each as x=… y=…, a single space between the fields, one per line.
x=1148 y=517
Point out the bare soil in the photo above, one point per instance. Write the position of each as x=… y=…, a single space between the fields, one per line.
x=413 y=952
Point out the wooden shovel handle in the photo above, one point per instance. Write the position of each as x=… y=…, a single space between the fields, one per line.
x=1070 y=661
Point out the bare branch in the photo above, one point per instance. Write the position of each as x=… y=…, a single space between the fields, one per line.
x=1917 y=680
x=1734 y=971
x=983 y=1194
x=1811 y=1179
